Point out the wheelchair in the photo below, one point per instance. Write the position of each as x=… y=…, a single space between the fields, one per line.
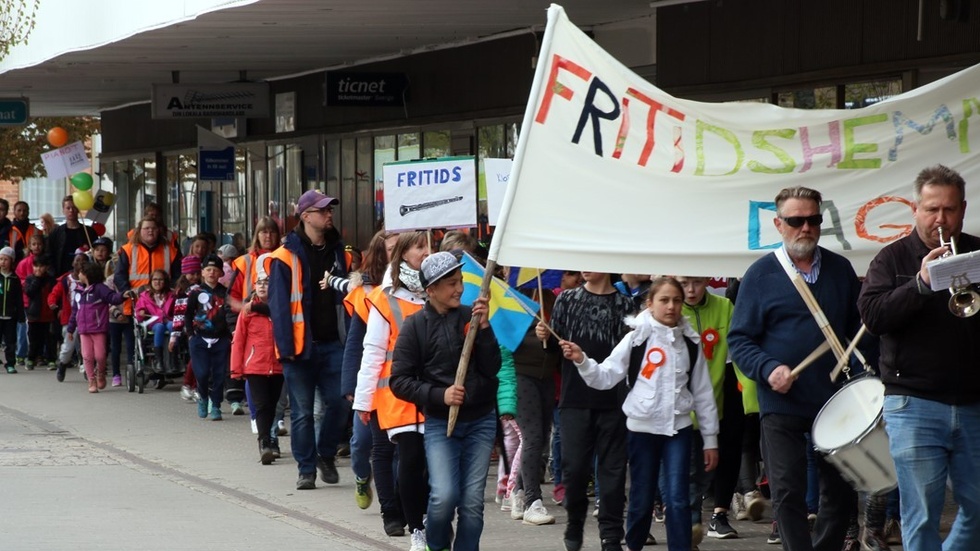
x=147 y=366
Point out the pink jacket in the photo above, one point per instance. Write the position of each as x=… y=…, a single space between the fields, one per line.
x=25 y=268
x=146 y=302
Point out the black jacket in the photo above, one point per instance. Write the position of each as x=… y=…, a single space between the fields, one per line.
x=926 y=351
x=427 y=354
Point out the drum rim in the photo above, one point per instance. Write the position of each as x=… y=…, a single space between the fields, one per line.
x=856 y=440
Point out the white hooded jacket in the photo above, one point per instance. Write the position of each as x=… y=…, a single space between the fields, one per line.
x=659 y=401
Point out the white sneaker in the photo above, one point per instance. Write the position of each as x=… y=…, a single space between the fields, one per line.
x=255 y=427
x=755 y=505
x=737 y=508
x=537 y=515
x=418 y=540
x=281 y=429
x=517 y=505
x=186 y=393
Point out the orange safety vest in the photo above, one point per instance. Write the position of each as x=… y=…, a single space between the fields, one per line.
x=356 y=302
x=247 y=266
x=295 y=295
x=23 y=238
x=142 y=265
x=392 y=412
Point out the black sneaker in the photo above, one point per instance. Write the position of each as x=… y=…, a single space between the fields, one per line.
x=611 y=544
x=872 y=540
x=573 y=538
x=394 y=527
x=774 y=538
x=60 y=375
x=328 y=471
x=306 y=481
x=718 y=527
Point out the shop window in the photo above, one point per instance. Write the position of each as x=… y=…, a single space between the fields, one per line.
x=409 y=147
x=364 y=182
x=863 y=94
x=184 y=202
x=346 y=216
x=436 y=143
x=233 y=206
x=810 y=98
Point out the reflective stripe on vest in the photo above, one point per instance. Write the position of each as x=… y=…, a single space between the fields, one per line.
x=135 y=275
x=295 y=292
x=249 y=276
x=398 y=318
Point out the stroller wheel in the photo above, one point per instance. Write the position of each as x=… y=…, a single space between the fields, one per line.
x=130 y=378
x=140 y=382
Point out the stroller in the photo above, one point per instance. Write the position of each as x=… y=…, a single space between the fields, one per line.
x=147 y=366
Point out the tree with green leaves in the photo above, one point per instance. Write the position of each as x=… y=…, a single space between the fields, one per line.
x=21 y=147
x=16 y=23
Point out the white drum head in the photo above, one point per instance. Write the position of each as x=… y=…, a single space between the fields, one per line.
x=849 y=414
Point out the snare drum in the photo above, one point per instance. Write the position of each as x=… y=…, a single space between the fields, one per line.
x=849 y=429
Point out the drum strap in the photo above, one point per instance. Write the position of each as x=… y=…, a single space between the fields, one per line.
x=636 y=360
x=811 y=302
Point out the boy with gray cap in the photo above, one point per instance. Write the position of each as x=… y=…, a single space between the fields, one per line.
x=423 y=371
x=11 y=305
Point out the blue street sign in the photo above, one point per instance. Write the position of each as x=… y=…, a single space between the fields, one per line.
x=14 y=111
x=216 y=165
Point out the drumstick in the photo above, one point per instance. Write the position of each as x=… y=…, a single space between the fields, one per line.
x=847 y=354
x=817 y=352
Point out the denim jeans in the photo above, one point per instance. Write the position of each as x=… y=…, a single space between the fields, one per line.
x=161 y=333
x=556 y=448
x=931 y=441
x=22 y=339
x=812 y=477
x=361 y=442
x=646 y=451
x=210 y=365
x=457 y=480
x=303 y=378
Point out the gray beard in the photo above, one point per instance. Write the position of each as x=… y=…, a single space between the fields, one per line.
x=801 y=250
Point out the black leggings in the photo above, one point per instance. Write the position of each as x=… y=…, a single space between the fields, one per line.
x=41 y=342
x=729 y=442
x=413 y=478
x=535 y=407
x=118 y=332
x=264 y=391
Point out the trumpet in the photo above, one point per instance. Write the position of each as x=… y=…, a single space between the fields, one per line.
x=963 y=301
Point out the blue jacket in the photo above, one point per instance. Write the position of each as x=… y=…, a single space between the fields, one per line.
x=771 y=326
x=279 y=284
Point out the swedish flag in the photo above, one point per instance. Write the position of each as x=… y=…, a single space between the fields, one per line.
x=510 y=311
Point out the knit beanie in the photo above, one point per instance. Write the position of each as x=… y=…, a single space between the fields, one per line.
x=190 y=265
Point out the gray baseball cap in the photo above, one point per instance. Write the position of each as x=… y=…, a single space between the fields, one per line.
x=437 y=266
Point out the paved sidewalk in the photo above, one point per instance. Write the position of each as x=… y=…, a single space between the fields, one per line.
x=120 y=470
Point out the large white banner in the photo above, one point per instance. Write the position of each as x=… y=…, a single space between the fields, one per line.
x=438 y=193
x=612 y=174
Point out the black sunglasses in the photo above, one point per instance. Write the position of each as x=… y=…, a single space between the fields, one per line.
x=797 y=221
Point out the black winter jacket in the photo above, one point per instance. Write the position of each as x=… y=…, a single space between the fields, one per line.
x=427 y=354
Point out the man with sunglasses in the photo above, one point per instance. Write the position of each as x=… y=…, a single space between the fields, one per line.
x=309 y=328
x=772 y=331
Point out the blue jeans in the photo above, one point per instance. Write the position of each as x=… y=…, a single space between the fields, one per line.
x=930 y=441
x=812 y=477
x=303 y=378
x=646 y=451
x=457 y=480
x=161 y=333
x=22 y=339
x=361 y=442
x=556 y=449
x=210 y=365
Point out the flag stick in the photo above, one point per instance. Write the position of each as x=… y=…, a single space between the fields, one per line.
x=464 y=358
x=544 y=344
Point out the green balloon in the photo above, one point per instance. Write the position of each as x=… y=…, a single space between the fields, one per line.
x=82 y=181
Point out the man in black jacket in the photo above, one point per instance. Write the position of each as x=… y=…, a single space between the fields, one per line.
x=929 y=367
x=423 y=371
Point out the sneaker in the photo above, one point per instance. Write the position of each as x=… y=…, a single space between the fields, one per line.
x=418 y=540
x=755 y=505
x=572 y=544
x=210 y=405
x=52 y=366
x=216 y=414
x=60 y=375
x=872 y=540
x=504 y=502
x=202 y=409
x=265 y=454
x=116 y=380
x=537 y=515
x=306 y=481
x=611 y=544
x=281 y=429
x=29 y=365
x=21 y=361
x=196 y=395
x=276 y=452
x=718 y=527
x=653 y=541
x=186 y=393
x=590 y=489
x=558 y=494
x=774 y=538
x=893 y=532
x=11 y=369
x=394 y=527
x=363 y=495
x=255 y=427
x=237 y=409
x=658 y=512
x=595 y=512
x=328 y=471
x=811 y=519
x=517 y=505
x=737 y=507
x=697 y=534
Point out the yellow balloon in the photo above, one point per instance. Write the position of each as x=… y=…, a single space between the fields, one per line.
x=83 y=200
x=108 y=199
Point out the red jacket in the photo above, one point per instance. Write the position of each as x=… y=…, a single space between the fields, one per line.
x=252 y=347
x=60 y=297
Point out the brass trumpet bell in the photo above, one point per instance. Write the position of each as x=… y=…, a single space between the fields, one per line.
x=964 y=301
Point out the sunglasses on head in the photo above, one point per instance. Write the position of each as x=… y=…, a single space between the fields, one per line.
x=797 y=221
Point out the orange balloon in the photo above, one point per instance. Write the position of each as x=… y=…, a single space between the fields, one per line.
x=57 y=136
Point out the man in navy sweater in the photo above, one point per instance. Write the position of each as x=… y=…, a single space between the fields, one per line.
x=772 y=331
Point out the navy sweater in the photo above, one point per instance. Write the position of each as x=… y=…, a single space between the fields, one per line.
x=772 y=325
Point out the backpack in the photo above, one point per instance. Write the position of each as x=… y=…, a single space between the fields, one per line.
x=636 y=360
